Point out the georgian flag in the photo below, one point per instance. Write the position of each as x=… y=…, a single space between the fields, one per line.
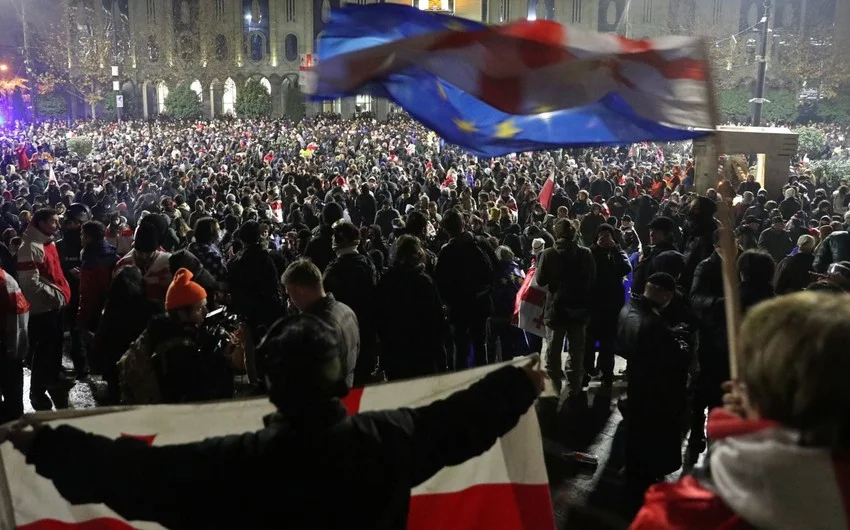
x=504 y=488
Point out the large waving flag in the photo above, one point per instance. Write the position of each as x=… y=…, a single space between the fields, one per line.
x=505 y=487
x=523 y=86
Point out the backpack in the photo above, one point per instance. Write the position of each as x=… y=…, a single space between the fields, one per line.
x=137 y=375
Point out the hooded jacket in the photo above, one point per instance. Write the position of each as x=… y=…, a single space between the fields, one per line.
x=758 y=476
x=96 y=266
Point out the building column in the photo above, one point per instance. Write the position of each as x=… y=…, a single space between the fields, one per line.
x=216 y=101
x=276 y=94
x=347 y=108
x=145 y=110
x=382 y=108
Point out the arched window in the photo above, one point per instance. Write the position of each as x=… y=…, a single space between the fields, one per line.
x=256 y=46
x=265 y=82
x=220 y=48
x=161 y=95
x=196 y=86
x=290 y=48
x=228 y=98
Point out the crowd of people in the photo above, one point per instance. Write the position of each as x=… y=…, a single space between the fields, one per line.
x=170 y=250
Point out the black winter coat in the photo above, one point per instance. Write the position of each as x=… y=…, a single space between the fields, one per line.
x=657 y=389
x=612 y=264
x=464 y=275
x=835 y=248
x=411 y=323
x=281 y=473
x=569 y=271
x=352 y=278
x=647 y=266
x=320 y=248
x=255 y=287
x=793 y=273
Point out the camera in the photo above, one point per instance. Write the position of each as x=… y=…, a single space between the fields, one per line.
x=217 y=329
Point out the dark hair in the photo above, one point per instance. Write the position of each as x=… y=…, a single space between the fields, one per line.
x=147 y=238
x=205 y=230
x=756 y=265
x=564 y=229
x=94 y=230
x=249 y=233
x=302 y=272
x=43 y=215
x=345 y=234
x=408 y=251
x=452 y=222
x=297 y=351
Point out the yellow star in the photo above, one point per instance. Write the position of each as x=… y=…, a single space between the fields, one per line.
x=465 y=126
x=441 y=90
x=506 y=129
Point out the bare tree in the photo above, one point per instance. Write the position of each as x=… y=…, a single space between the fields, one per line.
x=77 y=51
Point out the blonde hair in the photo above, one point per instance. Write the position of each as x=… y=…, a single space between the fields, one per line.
x=794 y=360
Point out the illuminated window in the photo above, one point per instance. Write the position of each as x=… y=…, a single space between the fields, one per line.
x=363 y=103
x=198 y=89
x=228 y=98
x=161 y=95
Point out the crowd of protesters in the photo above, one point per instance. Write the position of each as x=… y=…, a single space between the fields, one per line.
x=411 y=250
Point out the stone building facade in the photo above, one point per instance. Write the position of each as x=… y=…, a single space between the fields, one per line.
x=272 y=40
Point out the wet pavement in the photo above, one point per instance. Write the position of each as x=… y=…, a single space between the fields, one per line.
x=584 y=496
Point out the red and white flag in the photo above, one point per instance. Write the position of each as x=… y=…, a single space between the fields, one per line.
x=505 y=487
x=545 y=196
x=528 y=309
x=533 y=67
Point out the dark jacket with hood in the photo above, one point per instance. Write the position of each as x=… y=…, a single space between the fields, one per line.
x=835 y=248
x=411 y=323
x=464 y=275
x=569 y=271
x=657 y=388
x=255 y=287
x=612 y=265
x=698 y=243
x=96 y=266
x=793 y=273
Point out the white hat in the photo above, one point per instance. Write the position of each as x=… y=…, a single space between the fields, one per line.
x=537 y=244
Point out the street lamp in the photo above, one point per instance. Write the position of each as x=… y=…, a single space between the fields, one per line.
x=4 y=67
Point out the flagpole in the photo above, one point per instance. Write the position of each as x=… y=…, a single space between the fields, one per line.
x=731 y=299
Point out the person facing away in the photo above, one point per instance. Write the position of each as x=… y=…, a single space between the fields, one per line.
x=303 y=284
x=794 y=272
x=280 y=474
x=657 y=389
x=781 y=445
x=612 y=265
x=351 y=278
x=464 y=275
x=569 y=272
x=409 y=315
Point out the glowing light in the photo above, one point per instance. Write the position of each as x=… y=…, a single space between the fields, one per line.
x=4 y=67
x=248 y=17
x=532 y=17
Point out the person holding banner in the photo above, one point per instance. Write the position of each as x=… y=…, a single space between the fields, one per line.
x=280 y=475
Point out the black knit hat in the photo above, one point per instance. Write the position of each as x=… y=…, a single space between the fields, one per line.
x=663 y=280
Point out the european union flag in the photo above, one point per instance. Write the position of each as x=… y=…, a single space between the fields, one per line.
x=459 y=117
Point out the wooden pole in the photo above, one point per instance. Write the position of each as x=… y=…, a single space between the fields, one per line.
x=731 y=299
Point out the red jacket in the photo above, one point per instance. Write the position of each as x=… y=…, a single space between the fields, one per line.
x=760 y=477
x=40 y=273
x=96 y=269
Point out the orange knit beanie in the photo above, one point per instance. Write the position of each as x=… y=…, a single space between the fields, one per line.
x=183 y=292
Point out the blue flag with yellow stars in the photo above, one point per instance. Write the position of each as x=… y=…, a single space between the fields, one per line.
x=458 y=116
